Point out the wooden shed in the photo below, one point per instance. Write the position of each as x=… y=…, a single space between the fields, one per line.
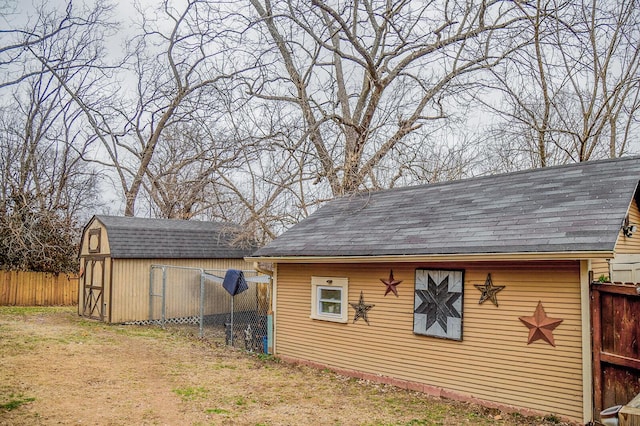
x=477 y=290
x=117 y=254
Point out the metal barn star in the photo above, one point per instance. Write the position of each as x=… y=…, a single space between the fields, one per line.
x=489 y=291
x=541 y=326
x=361 y=309
x=391 y=284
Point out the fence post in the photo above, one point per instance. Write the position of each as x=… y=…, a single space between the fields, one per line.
x=151 y=293
x=201 y=303
x=164 y=296
x=231 y=338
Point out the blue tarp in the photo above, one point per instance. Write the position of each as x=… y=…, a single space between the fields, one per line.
x=234 y=282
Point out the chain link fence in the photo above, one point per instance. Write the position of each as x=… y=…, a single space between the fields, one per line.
x=195 y=299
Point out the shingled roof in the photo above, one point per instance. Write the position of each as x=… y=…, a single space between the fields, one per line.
x=566 y=209
x=140 y=238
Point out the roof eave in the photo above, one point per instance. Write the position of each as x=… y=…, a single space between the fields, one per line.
x=468 y=257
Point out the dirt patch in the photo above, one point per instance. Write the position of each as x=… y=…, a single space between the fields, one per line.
x=57 y=368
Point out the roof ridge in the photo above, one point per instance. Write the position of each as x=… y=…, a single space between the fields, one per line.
x=493 y=176
x=161 y=219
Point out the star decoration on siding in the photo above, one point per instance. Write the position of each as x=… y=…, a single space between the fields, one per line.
x=437 y=303
x=489 y=291
x=391 y=284
x=361 y=309
x=541 y=326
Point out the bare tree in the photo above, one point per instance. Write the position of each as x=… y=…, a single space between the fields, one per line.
x=187 y=165
x=179 y=62
x=267 y=195
x=574 y=93
x=361 y=76
x=46 y=186
x=81 y=28
x=227 y=168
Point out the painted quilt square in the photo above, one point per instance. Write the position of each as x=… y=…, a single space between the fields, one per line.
x=438 y=303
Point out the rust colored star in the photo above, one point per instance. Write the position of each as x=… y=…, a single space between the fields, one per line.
x=541 y=326
x=391 y=284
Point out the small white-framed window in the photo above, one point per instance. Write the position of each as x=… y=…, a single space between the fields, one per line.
x=329 y=298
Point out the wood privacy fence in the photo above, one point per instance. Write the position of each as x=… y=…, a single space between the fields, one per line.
x=20 y=288
x=615 y=310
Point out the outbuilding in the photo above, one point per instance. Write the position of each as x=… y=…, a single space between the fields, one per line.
x=118 y=255
x=476 y=290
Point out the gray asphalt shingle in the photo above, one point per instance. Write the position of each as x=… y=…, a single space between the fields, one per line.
x=573 y=208
x=140 y=238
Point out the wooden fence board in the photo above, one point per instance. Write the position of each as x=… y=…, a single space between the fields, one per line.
x=4 y=289
x=21 y=288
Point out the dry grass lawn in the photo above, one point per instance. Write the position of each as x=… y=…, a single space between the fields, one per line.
x=57 y=368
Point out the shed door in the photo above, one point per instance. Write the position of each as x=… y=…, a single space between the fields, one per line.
x=93 y=288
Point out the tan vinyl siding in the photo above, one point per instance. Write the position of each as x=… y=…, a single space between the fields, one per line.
x=624 y=245
x=600 y=268
x=628 y=245
x=493 y=361
x=130 y=292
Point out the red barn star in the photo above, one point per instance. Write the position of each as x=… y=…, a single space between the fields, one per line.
x=391 y=284
x=541 y=326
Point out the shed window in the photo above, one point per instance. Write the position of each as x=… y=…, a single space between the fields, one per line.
x=94 y=240
x=329 y=298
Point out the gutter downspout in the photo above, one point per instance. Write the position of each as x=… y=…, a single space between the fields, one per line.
x=587 y=349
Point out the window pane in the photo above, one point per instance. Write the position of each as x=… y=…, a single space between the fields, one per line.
x=330 y=308
x=330 y=294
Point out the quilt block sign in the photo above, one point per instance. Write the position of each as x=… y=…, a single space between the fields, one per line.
x=438 y=303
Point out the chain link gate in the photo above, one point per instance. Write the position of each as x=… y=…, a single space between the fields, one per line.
x=188 y=297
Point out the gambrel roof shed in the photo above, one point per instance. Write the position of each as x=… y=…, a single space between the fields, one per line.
x=118 y=257
x=575 y=211
x=142 y=238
